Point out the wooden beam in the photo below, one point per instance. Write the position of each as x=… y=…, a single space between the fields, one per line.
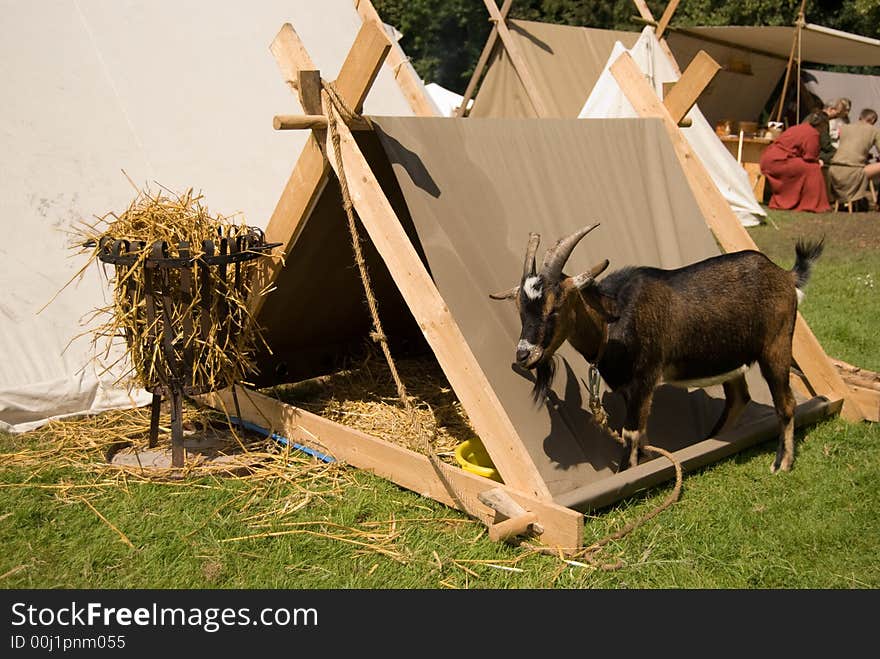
x=729 y=231
x=312 y=121
x=517 y=60
x=694 y=80
x=309 y=89
x=298 y=121
x=561 y=527
x=666 y=17
x=643 y=9
x=483 y=61
x=461 y=368
x=309 y=176
x=410 y=84
x=290 y=55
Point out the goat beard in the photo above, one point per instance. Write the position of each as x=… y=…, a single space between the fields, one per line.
x=544 y=373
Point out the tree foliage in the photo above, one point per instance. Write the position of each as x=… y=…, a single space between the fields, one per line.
x=444 y=38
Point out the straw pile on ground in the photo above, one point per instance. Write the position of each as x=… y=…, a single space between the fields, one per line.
x=364 y=397
x=218 y=349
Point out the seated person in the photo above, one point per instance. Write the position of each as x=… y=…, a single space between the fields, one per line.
x=791 y=166
x=849 y=171
x=838 y=115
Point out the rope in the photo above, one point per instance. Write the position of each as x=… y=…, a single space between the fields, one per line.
x=601 y=419
x=334 y=100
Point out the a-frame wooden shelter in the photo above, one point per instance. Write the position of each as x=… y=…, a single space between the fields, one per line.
x=526 y=501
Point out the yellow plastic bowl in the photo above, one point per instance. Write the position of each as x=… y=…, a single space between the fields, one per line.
x=472 y=457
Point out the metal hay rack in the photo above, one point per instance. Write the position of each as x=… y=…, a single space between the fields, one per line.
x=182 y=308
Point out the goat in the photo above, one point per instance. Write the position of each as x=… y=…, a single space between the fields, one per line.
x=701 y=324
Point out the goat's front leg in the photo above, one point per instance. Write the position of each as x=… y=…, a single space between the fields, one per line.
x=638 y=407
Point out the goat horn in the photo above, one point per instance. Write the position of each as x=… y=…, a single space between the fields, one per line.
x=556 y=256
x=532 y=249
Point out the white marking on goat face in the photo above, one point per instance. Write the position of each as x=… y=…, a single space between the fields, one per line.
x=800 y=295
x=532 y=288
x=525 y=345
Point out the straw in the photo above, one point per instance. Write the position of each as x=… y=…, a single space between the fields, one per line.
x=220 y=350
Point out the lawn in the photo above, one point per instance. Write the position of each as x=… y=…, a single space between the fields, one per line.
x=66 y=521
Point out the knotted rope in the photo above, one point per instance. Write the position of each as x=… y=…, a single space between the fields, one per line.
x=334 y=101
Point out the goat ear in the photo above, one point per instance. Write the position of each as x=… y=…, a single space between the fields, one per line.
x=509 y=294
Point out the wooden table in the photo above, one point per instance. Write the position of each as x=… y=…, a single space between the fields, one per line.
x=752 y=148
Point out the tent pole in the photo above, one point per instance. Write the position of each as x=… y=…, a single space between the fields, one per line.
x=795 y=41
x=461 y=111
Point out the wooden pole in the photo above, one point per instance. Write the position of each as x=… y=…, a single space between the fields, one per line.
x=481 y=63
x=398 y=62
x=516 y=59
x=559 y=526
x=794 y=43
x=667 y=16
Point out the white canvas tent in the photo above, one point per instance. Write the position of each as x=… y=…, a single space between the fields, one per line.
x=447 y=101
x=178 y=94
x=607 y=100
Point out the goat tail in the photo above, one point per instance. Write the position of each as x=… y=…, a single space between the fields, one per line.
x=806 y=253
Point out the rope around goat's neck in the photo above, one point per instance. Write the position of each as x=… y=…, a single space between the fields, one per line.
x=333 y=100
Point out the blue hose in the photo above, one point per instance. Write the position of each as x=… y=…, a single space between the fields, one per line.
x=282 y=440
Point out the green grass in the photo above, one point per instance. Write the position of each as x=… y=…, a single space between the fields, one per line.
x=736 y=525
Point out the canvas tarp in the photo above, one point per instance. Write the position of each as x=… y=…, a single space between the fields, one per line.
x=179 y=94
x=754 y=60
x=469 y=191
x=742 y=87
x=862 y=90
x=565 y=62
x=818 y=44
x=608 y=100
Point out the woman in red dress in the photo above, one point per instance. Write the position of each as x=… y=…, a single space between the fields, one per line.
x=794 y=171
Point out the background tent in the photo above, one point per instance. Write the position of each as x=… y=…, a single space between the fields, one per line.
x=608 y=100
x=566 y=63
x=169 y=92
x=754 y=60
x=447 y=101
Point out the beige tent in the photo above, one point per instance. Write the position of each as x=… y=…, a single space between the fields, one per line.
x=447 y=205
x=566 y=62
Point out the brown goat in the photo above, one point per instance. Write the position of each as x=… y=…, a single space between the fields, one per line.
x=701 y=324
